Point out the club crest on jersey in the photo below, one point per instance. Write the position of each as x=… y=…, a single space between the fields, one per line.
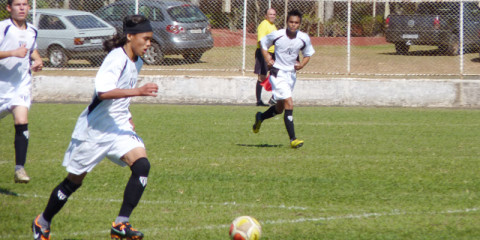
x=143 y=181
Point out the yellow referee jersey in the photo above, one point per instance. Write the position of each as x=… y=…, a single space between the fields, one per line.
x=263 y=29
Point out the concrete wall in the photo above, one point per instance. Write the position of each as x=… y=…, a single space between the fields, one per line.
x=241 y=90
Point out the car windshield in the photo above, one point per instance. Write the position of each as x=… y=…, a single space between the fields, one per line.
x=85 y=22
x=440 y=8
x=186 y=14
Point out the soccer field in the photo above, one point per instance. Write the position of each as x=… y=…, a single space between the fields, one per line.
x=363 y=173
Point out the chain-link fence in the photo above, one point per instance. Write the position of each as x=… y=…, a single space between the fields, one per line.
x=371 y=37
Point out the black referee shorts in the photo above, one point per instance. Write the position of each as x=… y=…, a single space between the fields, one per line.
x=261 y=66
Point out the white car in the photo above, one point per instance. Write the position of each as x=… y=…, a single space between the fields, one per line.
x=65 y=34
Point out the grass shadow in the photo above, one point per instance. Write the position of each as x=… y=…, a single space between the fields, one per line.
x=476 y=60
x=8 y=192
x=432 y=52
x=178 y=61
x=260 y=145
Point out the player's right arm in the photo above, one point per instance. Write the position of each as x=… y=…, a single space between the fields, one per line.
x=20 y=52
x=265 y=44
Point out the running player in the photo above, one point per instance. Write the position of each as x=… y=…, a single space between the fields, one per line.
x=264 y=28
x=105 y=129
x=288 y=44
x=17 y=49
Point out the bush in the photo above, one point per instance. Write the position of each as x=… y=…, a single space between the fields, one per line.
x=372 y=26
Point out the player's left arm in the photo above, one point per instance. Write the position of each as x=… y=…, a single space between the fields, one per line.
x=302 y=64
x=307 y=52
x=149 y=89
x=37 y=61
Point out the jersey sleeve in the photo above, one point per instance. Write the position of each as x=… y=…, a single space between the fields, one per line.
x=35 y=35
x=109 y=73
x=2 y=31
x=308 y=50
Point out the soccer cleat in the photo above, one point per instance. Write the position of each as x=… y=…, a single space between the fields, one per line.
x=21 y=176
x=260 y=103
x=38 y=232
x=125 y=231
x=258 y=122
x=296 y=143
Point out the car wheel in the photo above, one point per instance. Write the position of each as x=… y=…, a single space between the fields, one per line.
x=192 y=57
x=401 y=48
x=57 y=56
x=154 y=55
x=95 y=61
x=453 y=47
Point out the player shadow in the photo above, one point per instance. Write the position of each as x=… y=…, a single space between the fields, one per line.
x=260 y=145
x=8 y=192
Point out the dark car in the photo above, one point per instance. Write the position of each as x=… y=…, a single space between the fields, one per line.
x=178 y=28
x=435 y=24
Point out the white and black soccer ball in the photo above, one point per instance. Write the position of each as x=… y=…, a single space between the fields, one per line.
x=245 y=228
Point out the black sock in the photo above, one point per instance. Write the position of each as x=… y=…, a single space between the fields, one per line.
x=271 y=112
x=288 y=119
x=258 y=92
x=58 y=198
x=135 y=186
x=21 y=144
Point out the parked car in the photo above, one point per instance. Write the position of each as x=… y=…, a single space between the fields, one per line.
x=435 y=24
x=65 y=34
x=178 y=28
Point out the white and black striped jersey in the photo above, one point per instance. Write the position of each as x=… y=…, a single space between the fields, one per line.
x=14 y=71
x=286 y=49
x=104 y=120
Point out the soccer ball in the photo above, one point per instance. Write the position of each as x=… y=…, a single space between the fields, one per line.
x=245 y=228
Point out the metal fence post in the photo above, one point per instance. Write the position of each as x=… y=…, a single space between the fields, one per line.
x=461 y=38
x=244 y=35
x=349 y=23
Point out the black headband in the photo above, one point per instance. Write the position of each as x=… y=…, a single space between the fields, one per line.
x=138 y=28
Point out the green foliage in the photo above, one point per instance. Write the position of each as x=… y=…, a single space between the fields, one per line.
x=309 y=24
x=4 y=14
x=372 y=25
x=363 y=173
x=336 y=28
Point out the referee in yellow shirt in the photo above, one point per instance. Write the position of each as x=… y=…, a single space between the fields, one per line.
x=264 y=28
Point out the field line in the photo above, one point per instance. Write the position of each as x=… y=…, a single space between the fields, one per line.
x=278 y=221
x=319 y=123
x=73 y=198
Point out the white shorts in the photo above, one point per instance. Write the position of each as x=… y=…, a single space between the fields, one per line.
x=19 y=99
x=283 y=83
x=83 y=156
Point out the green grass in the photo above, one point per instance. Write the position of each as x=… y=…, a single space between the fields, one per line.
x=363 y=173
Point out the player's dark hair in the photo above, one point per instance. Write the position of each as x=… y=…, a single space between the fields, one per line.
x=9 y=2
x=120 y=39
x=294 y=12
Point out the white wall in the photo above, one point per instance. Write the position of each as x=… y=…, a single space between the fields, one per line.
x=241 y=90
